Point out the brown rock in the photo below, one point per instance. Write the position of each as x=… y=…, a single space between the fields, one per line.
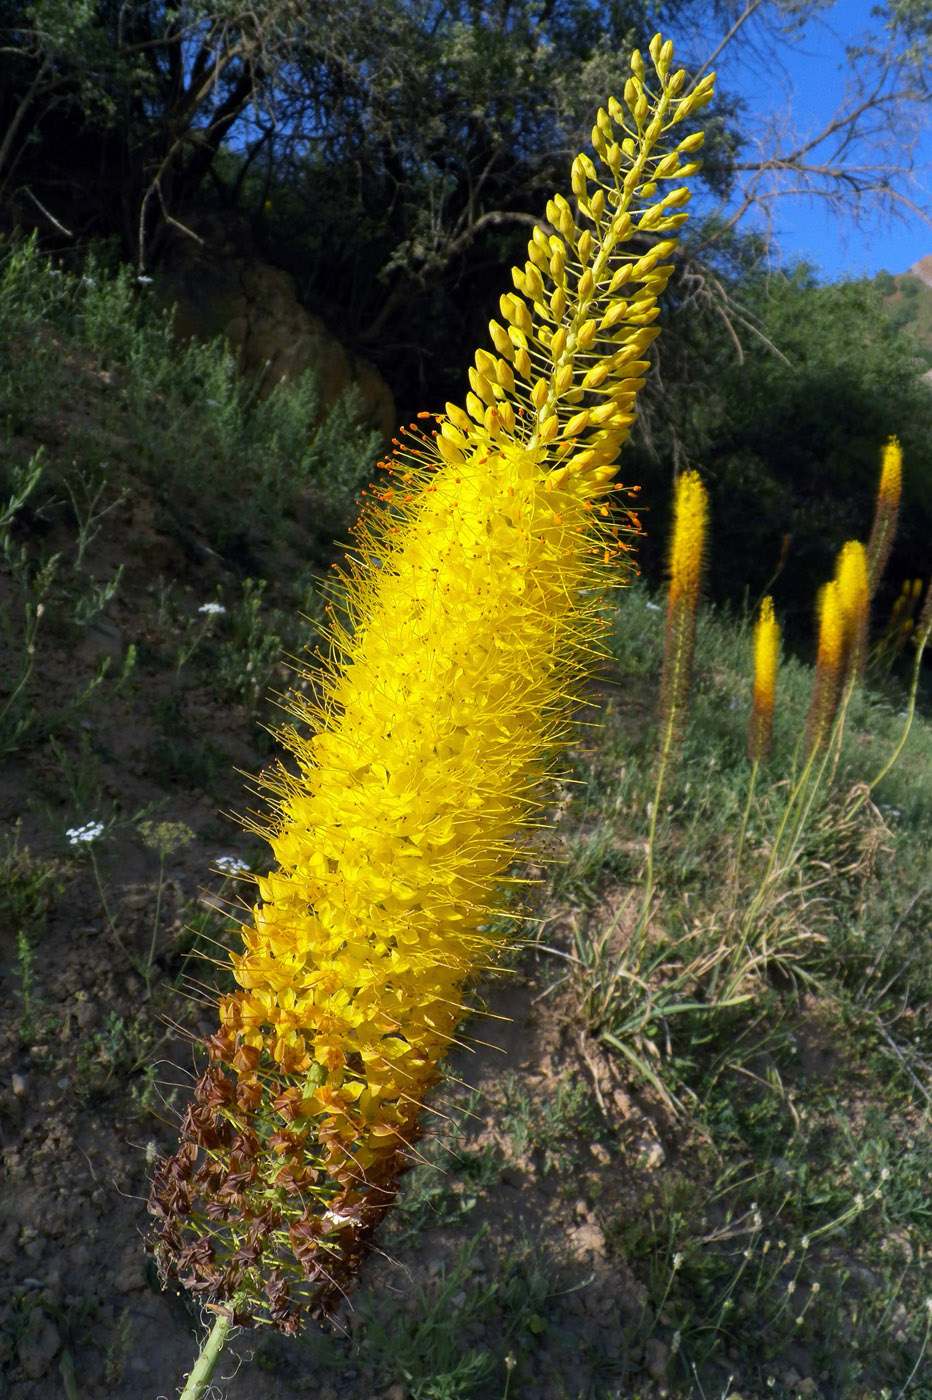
x=38 y=1346
x=221 y=287
x=101 y=642
x=131 y=1276
x=656 y=1358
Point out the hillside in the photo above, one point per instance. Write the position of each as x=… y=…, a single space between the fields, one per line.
x=684 y=1155
x=908 y=301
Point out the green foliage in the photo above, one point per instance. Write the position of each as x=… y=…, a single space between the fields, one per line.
x=553 y=1127
x=208 y=440
x=29 y=886
x=173 y=419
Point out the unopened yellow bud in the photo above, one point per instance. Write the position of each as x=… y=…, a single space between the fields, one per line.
x=501 y=340
x=458 y=417
x=576 y=424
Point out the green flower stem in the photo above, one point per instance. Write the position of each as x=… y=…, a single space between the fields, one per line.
x=106 y=908
x=155 y=927
x=910 y=713
x=648 y=895
x=739 y=848
x=203 y=1368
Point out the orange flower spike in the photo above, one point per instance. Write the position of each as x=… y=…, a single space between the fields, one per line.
x=766 y=656
x=886 y=512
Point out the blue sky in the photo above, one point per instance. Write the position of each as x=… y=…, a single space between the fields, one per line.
x=809 y=79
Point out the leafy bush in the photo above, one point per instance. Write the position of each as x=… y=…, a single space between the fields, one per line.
x=200 y=433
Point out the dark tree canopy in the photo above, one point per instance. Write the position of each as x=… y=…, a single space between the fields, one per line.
x=393 y=156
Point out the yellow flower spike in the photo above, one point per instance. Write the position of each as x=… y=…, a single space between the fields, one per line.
x=473 y=615
x=851 y=574
x=688 y=546
x=886 y=512
x=687 y=555
x=891 y=473
x=766 y=657
x=826 y=689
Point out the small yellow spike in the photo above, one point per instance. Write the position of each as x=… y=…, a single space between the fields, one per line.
x=766 y=656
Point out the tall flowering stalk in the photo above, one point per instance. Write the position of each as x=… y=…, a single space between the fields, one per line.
x=766 y=656
x=760 y=725
x=886 y=511
x=826 y=686
x=843 y=613
x=473 y=615
x=852 y=577
x=921 y=636
x=687 y=555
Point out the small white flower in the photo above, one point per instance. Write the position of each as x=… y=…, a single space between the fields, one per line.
x=212 y=609
x=84 y=835
x=231 y=865
x=805 y=1241
x=816 y=1287
x=143 y=280
x=89 y=281
x=791 y=1287
x=652 y=607
x=677 y=1261
x=884 y=1175
x=859 y=1202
